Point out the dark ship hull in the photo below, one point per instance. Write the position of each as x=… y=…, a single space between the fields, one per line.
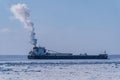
x=69 y=57
x=42 y=53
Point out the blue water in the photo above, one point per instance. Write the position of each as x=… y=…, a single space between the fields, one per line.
x=13 y=57
x=22 y=60
x=24 y=57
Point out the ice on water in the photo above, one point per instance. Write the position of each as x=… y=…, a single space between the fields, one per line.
x=60 y=70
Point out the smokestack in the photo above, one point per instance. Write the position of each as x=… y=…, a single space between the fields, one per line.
x=22 y=13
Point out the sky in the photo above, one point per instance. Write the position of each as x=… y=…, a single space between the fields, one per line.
x=75 y=26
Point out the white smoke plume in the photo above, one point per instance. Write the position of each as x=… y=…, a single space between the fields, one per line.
x=22 y=13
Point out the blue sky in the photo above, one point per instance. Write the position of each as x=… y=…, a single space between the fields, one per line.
x=75 y=26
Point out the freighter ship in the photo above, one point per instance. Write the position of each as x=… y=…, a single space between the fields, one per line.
x=42 y=53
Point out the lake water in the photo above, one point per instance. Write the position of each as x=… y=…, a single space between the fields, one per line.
x=24 y=57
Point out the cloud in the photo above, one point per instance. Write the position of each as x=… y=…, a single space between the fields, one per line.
x=5 y=30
